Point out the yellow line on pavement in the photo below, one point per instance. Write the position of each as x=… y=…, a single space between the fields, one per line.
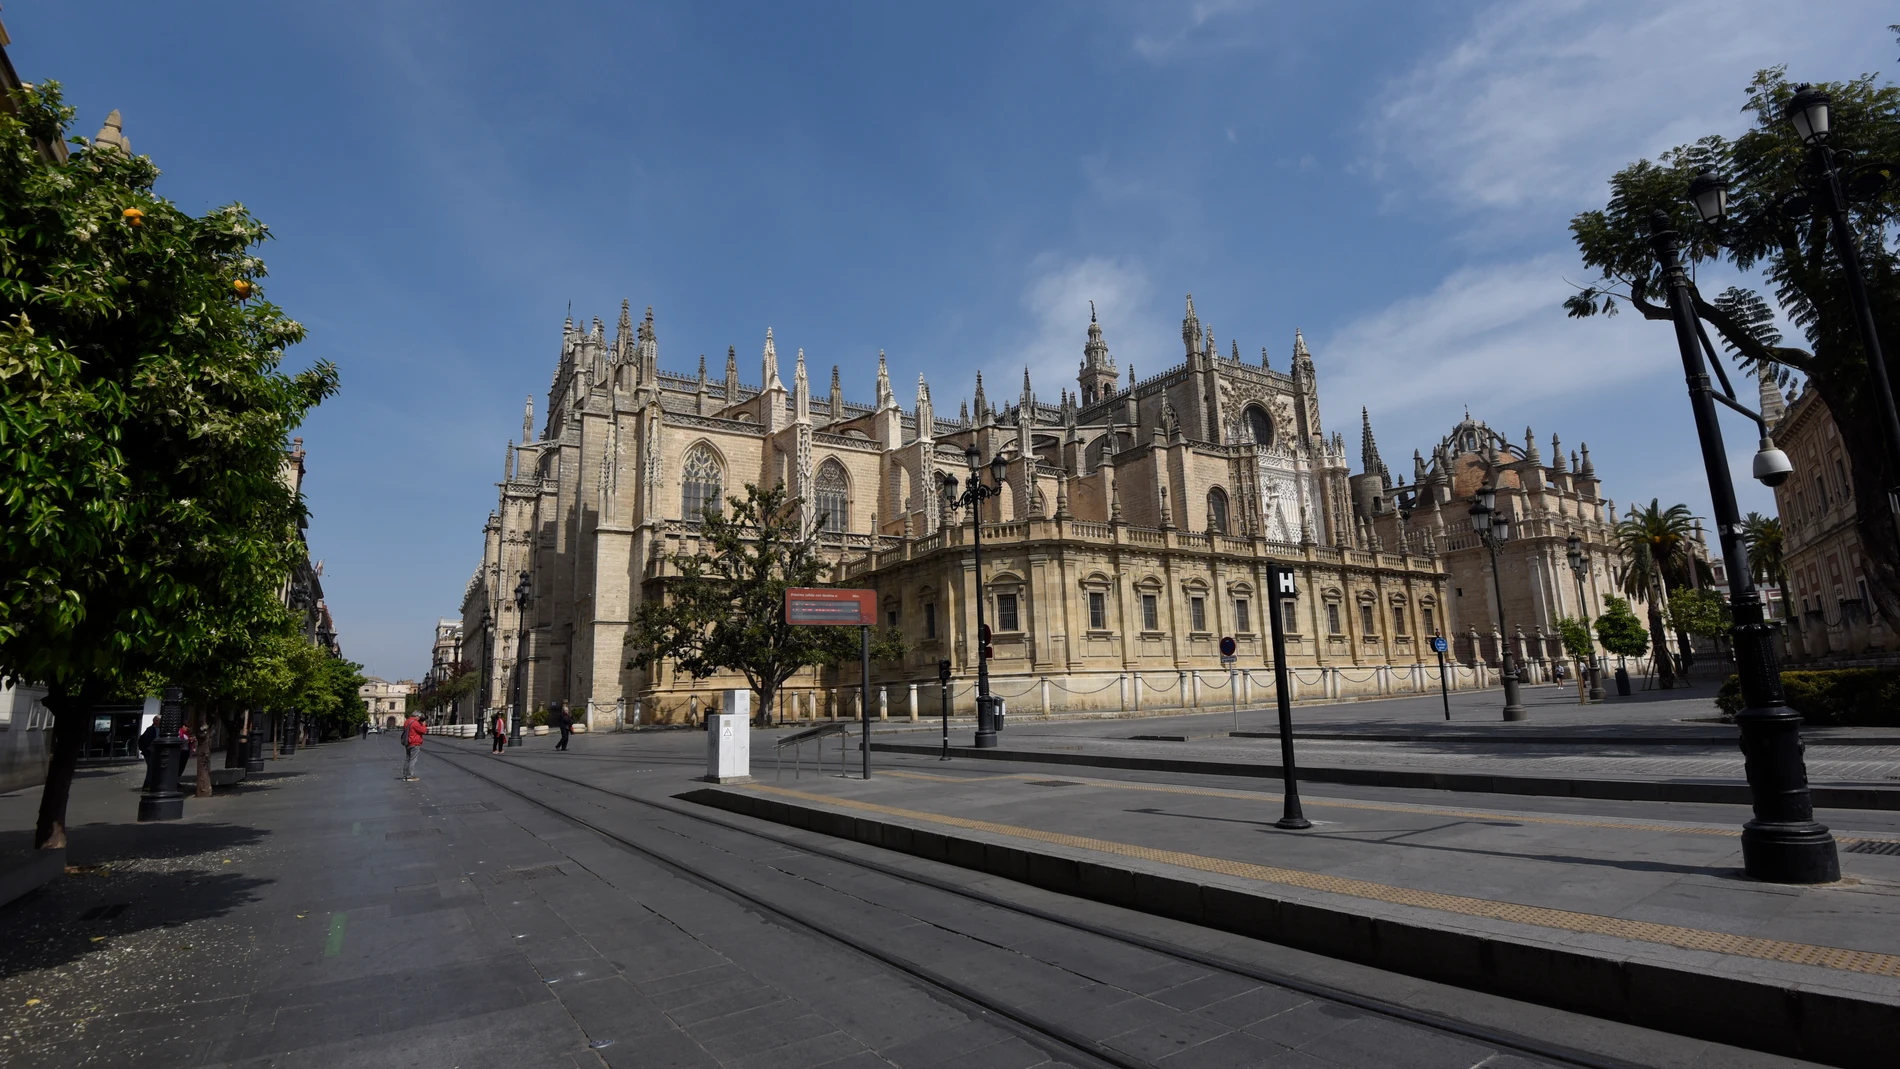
x=1860 y=961
x=1383 y=807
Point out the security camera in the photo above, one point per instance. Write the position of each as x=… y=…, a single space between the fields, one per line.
x=1771 y=465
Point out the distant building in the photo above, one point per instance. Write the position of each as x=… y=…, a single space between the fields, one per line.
x=387 y=702
x=1834 y=617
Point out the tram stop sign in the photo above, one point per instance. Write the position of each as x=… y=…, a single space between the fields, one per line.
x=1227 y=647
x=829 y=605
x=1439 y=645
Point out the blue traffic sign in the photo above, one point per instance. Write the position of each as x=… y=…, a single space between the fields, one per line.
x=1438 y=644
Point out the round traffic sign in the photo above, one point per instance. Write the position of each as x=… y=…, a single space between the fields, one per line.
x=1227 y=647
x=1439 y=645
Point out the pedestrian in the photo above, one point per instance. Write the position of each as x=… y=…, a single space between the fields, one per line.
x=413 y=729
x=565 y=721
x=188 y=745
x=365 y=730
x=500 y=729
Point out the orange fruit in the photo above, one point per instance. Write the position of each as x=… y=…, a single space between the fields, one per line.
x=242 y=287
x=134 y=217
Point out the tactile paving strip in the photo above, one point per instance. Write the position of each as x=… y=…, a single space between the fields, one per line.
x=1860 y=961
x=1387 y=807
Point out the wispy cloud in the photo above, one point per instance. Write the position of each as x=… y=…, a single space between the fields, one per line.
x=1056 y=302
x=1179 y=30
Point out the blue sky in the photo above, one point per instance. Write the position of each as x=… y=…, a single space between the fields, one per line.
x=950 y=183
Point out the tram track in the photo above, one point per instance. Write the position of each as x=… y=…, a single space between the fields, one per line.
x=1051 y=1036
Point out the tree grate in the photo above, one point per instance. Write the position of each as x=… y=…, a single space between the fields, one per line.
x=1875 y=846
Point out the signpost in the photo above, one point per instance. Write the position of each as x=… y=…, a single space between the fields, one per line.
x=825 y=606
x=1227 y=658
x=1444 y=689
x=1280 y=581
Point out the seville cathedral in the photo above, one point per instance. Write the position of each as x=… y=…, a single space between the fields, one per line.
x=1136 y=524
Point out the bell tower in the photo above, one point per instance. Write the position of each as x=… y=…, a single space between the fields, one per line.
x=1097 y=376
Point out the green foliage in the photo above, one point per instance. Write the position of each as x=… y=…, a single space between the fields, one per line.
x=1772 y=230
x=143 y=415
x=1620 y=631
x=443 y=693
x=1847 y=697
x=1766 y=560
x=725 y=609
x=1700 y=612
x=538 y=718
x=1576 y=635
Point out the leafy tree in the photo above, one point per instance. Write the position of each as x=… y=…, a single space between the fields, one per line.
x=1652 y=541
x=1699 y=611
x=1575 y=632
x=725 y=609
x=1766 y=562
x=440 y=693
x=1770 y=231
x=142 y=509
x=1620 y=631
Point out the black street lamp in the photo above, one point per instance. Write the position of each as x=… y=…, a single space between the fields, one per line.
x=1783 y=844
x=523 y=591
x=163 y=800
x=1493 y=528
x=1580 y=566
x=973 y=495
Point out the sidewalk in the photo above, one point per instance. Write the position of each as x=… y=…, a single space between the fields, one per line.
x=1644 y=920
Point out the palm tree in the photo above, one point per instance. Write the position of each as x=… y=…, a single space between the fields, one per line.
x=1762 y=534
x=1653 y=540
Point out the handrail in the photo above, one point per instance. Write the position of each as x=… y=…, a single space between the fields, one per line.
x=812 y=733
x=798 y=755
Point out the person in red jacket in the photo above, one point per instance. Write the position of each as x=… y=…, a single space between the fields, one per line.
x=500 y=729
x=413 y=729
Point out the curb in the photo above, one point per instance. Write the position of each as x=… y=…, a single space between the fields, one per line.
x=1777 y=1018
x=1718 y=792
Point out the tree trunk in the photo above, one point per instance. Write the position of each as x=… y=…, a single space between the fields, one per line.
x=1659 y=648
x=71 y=714
x=203 y=786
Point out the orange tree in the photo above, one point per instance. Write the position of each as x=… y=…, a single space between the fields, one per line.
x=144 y=415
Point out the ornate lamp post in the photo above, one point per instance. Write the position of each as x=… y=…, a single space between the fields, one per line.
x=1783 y=844
x=164 y=801
x=1579 y=567
x=523 y=591
x=1494 y=528
x=973 y=495
x=1808 y=111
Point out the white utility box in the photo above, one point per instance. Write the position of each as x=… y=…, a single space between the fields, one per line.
x=729 y=739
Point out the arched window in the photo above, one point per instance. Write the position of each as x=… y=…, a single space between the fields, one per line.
x=1217 y=510
x=702 y=484
x=1260 y=425
x=832 y=497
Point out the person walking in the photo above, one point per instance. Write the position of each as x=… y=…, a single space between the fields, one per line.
x=413 y=729
x=565 y=721
x=365 y=726
x=500 y=729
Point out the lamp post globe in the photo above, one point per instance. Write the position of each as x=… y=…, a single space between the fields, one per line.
x=1807 y=109
x=1708 y=191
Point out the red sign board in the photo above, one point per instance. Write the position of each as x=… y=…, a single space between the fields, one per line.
x=823 y=605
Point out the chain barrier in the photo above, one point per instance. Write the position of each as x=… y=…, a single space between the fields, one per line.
x=1097 y=690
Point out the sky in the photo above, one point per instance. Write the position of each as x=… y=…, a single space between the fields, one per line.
x=949 y=183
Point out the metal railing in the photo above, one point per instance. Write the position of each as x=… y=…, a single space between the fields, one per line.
x=797 y=743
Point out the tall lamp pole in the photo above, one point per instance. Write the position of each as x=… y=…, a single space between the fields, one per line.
x=523 y=591
x=1783 y=844
x=1808 y=111
x=1579 y=567
x=973 y=495
x=1494 y=528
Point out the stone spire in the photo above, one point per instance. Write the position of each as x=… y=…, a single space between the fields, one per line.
x=1097 y=377
x=1300 y=353
x=1418 y=468
x=963 y=413
x=1587 y=469
x=885 y=397
x=1062 y=493
x=801 y=391
x=508 y=463
x=1773 y=405
x=732 y=373
x=649 y=352
x=835 y=403
x=1573 y=459
x=1369 y=449
x=623 y=333
x=982 y=403
x=112 y=135
x=1208 y=348
x=1530 y=447
x=768 y=376
x=527 y=420
x=699 y=389
x=1026 y=404
x=1264 y=361
x=926 y=413
x=1557 y=455
x=1190 y=327
x=1236 y=342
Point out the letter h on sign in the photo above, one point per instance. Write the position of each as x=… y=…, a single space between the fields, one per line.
x=1283 y=583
